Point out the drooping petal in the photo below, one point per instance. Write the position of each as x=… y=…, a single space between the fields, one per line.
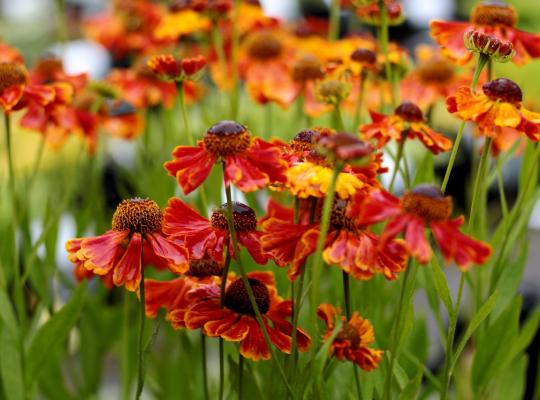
x=100 y=252
x=128 y=269
x=176 y=255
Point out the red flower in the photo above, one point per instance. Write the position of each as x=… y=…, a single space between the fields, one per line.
x=236 y=322
x=170 y=68
x=201 y=236
x=13 y=80
x=406 y=120
x=425 y=207
x=492 y=18
x=250 y=163
x=352 y=342
x=349 y=245
x=136 y=230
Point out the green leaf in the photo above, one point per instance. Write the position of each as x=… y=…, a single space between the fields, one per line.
x=11 y=364
x=412 y=388
x=441 y=285
x=401 y=376
x=480 y=315
x=510 y=384
x=51 y=335
x=424 y=172
x=526 y=334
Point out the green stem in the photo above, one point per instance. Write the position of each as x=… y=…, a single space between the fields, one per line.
x=249 y=290
x=448 y=360
x=268 y=120
x=394 y=333
x=383 y=43
x=317 y=257
x=204 y=366
x=359 y=102
x=482 y=60
x=337 y=120
x=235 y=97
x=181 y=99
x=126 y=351
x=224 y=276
x=502 y=194
x=240 y=374
x=401 y=147
x=479 y=181
x=142 y=317
x=335 y=10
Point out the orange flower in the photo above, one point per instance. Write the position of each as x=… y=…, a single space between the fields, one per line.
x=235 y=320
x=202 y=236
x=136 y=233
x=424 y=207
x=13 y=80
x=496 y=109
x=492 y=18
x=406 y=120
x=370 y=13
x=349 y=244
x=250 y=163
x=180 y=23
x=353 y=340
x=170 y=68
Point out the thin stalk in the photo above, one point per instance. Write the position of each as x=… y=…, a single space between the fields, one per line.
x=479 y=181
x=317 y=257
x=401 y=147
x=249 y=290
x=502 y=194
x=383 y=43
x=126 y=351
x=335 y=10
x=396 y=326
x=337 y=119
x=235 y=97
x=482 y=60
x=204 y=366
x=182 y=101
x=448 y=360
x=240 y=374
x=359 y=102
x=142 y=317
x=268 y=119
x=226 y=267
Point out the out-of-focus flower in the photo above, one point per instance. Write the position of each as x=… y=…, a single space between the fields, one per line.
x=209 y=236
x=136 y=239
x=353 y=340
x=250 y=163
x=497 y=108
x=235 y=320
x=406 y=120
x=180 y=23
x=343 y=146
x=13 y=80
x=349 y=245
x=167 y=67
x=424 y=207
x=491 y=18
x=489 y=45
x=369 y=12
x=10 y=54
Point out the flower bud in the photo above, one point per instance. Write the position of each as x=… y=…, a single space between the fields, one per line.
x=489 y=45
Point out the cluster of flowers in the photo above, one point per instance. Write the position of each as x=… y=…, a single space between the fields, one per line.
x=279 y=64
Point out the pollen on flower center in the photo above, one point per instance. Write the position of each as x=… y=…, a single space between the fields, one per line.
x=303 y=140
x=236 y=297
x=427 y=202
x=494 y=13
x=137 y=215
x=264 y=46
x=435 y=71
x=226 y=138
x=204 y=268
x=243 y=216
x=339 y=218
x=12 y=74
x=503 y=89
x=350 y=333
x=409 y=111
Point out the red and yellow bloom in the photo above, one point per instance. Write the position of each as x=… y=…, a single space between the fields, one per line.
x=235 y=320
x=425 y=207
x=250 y=163
x=353 y=340
x=135 y=234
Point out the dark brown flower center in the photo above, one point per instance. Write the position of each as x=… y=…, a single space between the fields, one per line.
x=503 y=89
x=349 y=333
x=494 y=13
x=12 y=74
x=204 y=267
x=364 y=56
x=409 y=111
x=303 y=140
x=307 y=68
x=427 y=202
x=338 y=216
x=236 y=297
x=227 y=138
x=137 y=215
x=343 y=146
x=243 y=217
x=436 y=71
x=264 y=45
